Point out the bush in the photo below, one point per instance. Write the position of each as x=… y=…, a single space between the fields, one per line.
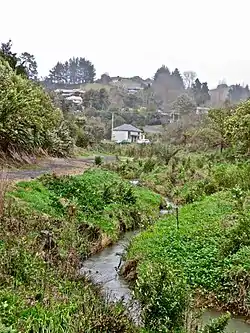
x=28 y=119
x=98 y=160
x=164 y=297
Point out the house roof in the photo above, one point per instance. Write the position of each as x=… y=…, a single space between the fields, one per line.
x=127 y=128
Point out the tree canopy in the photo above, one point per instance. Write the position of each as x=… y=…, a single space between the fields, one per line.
x=25 y=64
x=200 y=92
x=28 y=118
x=73 y=71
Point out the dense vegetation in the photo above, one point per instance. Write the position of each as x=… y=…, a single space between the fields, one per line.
x=28 y=120
x=199 y=259
x=46 y=228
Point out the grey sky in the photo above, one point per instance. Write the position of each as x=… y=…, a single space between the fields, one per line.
x=127 y=38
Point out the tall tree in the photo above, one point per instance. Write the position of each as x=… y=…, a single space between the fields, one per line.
x=205 y=97
x=12 y=58
x=238 y=93
x=105 y=78
x=177 y=80
x=188 y=78
x=184 y=105
x=29 y=62
x=104 y=99
x=57 y=74
x=73 y=71
x=200 y=92
x=162 y=70
x=218 y=120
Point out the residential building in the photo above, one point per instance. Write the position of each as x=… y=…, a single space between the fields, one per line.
x=127 y=132
x=202 y=110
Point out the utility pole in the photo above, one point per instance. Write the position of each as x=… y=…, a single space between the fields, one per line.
x=112 y=125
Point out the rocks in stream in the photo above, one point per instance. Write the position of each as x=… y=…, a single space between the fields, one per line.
x=128 y=270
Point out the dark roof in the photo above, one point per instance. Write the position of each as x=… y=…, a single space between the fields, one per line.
x=127 y=128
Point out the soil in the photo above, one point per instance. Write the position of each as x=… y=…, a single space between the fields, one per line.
x=59 y=166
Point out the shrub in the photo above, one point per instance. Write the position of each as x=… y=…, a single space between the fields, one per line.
x=164 y=297
x=28 y=119
x=98 y=160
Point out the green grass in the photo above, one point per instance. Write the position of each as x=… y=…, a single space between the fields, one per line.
x=99 y=198
x=207 y=250
x=50 y=225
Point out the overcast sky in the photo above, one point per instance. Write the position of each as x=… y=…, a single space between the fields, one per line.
x=127 y=38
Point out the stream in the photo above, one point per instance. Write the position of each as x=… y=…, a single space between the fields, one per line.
x=102 y=269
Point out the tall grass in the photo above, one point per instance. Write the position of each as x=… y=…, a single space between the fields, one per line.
x=40 y=286
x=4 y=187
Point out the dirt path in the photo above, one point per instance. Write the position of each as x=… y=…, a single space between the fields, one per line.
x=60 y=166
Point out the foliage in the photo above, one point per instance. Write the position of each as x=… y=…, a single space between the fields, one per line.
x=98 y=160
x=40 y=287
x=184 y=105
x=28 y=119
x=218 y=118
x=108 y=203
x=238 y=126
x=200 y=92
x=217 y=325
x=96 y=99
x=195 y=250
x=162 y=70
x=164 y=298
x=29 y=62
x=238 y=93
x=12 y=59
x=178 y=80
x=74 y=71
x=188 y=78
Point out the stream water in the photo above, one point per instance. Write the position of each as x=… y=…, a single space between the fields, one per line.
x=102 y=268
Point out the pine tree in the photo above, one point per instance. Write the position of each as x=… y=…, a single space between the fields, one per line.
x=200 y=92
x=73 y=71
x=177 y=80
x=162 y=70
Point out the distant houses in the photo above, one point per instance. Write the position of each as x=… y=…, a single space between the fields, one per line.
x=71 y=95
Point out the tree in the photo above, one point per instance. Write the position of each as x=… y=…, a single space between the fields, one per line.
x=188 y=78
x=238 y=127
x=162 y=70
x=28 y=118
x=73 y=71
x=12 y=58
x=184 y=104
x=177 y=80
x=29 y=62
x=104 y=99
x=218 y=120
x=200 y=92
x=98 y=100
x=205 y=97
x=58 y=74
x=105 y=78
x=238 y=93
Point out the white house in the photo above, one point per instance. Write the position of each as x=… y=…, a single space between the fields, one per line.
x=202 y=110
x=126 y=132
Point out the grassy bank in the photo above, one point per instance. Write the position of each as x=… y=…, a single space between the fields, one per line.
x=205 y=259
x=187 y=177
x=97 y=201
x=47 y=227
